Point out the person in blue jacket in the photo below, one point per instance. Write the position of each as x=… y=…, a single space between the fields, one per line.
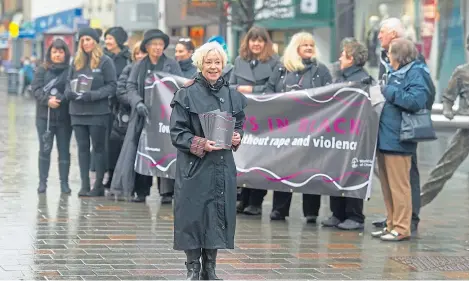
x=408 y=90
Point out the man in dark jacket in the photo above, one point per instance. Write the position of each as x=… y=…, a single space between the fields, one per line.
x=391 y=29
x=347 y=213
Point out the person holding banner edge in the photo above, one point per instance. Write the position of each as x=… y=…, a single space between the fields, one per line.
x=154 y=43
x=205 y=188
x=252 y=69
x=347 y=213
x=298 y=69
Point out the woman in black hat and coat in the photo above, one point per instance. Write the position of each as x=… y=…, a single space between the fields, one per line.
x=89 y=110
x=114 y=39
x=48 y=87
x=154 y=43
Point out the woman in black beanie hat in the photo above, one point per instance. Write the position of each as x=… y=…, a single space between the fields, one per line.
x=154 y=43
x=89 y=106
x=114 y=39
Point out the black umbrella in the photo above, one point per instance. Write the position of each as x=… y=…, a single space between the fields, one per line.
x=48 y=137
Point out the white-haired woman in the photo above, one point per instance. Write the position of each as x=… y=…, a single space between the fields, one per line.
x=205 y=188
x=299 y=69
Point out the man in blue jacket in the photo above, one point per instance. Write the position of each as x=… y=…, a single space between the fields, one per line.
x=391 y=29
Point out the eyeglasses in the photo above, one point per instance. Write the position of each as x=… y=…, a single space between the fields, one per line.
x=185 y=40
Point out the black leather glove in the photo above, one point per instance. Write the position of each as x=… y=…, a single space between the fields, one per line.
x=75 y=96
x=86 y=96
x=141 y=109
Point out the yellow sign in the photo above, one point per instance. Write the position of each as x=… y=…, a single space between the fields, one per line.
x=14 y=29
x=95 y=23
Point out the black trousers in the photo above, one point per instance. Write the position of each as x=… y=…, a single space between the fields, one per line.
x=347 y=208
x=63 y=135
x=142 y=185
x=252 y=197
x=165 y=186
x=282 y=202
x=83 y=133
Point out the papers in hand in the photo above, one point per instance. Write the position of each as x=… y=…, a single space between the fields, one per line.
x=218 y=127
x=81 y=84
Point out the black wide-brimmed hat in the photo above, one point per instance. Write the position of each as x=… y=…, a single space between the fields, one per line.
x=153 y=34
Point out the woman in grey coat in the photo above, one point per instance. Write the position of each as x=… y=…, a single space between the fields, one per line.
x=299 y=70
x=252 y=69
x=154 y=43
x=89 y=109
x=205 y=189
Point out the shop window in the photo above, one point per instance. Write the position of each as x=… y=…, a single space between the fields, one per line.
x=197 y=34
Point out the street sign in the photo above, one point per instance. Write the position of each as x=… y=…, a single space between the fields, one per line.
x=14 y=29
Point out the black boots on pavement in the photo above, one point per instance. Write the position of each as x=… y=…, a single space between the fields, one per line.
x=64 y=168
x=209 y=261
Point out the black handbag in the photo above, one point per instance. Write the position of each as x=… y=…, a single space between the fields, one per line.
x=417 y=126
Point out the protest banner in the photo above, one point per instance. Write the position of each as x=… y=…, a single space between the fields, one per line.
x=318 y=141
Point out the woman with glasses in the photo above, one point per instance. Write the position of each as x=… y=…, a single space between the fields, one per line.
x=154 y=43
x=299 y=69
x=252 y=69
x=184 y=50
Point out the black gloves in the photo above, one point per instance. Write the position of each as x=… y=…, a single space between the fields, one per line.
x=141 y=109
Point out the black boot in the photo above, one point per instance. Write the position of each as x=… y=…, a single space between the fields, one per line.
x=64 y=169
x=209 y=262
x=44 y=164
x=193 y=264
x=98 y=188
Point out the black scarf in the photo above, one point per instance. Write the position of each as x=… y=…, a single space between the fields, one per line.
x=186 y=64
x=212 y=87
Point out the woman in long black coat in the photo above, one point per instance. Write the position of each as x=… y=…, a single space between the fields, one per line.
x=205 y=189
x=299 y=70
x=154 y=43
x=252 y=69
x=48 y=87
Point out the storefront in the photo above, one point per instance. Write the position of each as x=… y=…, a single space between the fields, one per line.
x=286 y=17
x=70 y=19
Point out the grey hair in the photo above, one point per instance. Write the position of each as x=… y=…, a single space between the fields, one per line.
x=403 y=51
x=394 y=24
x=356 y=50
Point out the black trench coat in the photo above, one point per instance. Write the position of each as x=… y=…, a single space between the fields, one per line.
x=205 y=188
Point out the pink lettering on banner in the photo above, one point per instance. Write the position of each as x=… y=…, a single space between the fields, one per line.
x=251 y=124
x=277 y=124
x=339 y=126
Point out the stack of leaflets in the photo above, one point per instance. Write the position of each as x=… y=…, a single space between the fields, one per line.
x=218 y=127
x=81 y=84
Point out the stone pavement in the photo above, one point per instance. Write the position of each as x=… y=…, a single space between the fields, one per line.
x=54 y=237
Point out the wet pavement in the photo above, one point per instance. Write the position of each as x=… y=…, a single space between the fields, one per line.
x=54 y=237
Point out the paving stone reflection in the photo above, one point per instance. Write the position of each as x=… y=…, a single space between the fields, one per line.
x=54 y=237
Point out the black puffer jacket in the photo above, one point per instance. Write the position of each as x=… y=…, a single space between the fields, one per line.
x=122 y=116
x=43 y=76
x=315 y=74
